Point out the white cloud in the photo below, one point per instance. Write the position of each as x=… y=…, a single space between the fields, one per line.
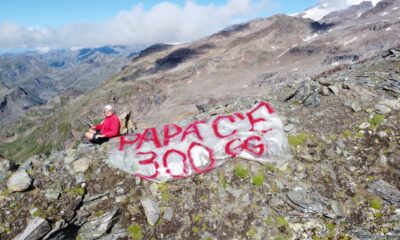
x=164 y=22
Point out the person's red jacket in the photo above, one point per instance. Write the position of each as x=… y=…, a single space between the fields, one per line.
x=110 y=126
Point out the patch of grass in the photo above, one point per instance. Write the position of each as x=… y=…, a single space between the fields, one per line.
x=270 y=167
x=5 y=230
x=375 y=203
x=251 y=233
x=52 y=169
x=204 y=227
x=77 y=191
x=38 y=213
x=24 y=147
x=283 y=226
x=204 y=198
x=347 y=134
x=99 y=213
x=163 y=188
x=344 y=237
x=331 y=228
x=135 y=232
x=64 y=128
x=197 y=218
x=269 y=221
x=274 y=187
x=376 y=121
x=195 y=230
x=370 y=178
x=332 y=137
x=296 y=103
x=378 y=215
x=222 y=181
x=297 y=140
x=5 y=192
x=258 y=180
x=241 y=171
x=281 y=221
x=360 y=134
x=281 y=237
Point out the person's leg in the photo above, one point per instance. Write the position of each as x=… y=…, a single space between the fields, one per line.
x=89 y=135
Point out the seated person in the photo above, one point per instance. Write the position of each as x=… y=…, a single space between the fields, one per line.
x=107 y=129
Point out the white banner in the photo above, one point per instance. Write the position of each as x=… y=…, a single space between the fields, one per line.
x=174 y=151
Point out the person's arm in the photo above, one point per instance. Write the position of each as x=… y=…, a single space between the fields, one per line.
x=113 y=130
x=99 y=126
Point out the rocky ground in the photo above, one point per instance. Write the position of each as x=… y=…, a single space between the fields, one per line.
x=342 y=182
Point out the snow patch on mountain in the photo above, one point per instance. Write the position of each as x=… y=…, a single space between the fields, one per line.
x=327 y=6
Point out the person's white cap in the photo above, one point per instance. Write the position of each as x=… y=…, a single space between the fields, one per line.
x=108 y=107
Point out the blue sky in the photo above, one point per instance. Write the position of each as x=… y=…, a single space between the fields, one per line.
x=45 y=24
x=56 y=14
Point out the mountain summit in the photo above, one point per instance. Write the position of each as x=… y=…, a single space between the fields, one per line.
x=326 y=7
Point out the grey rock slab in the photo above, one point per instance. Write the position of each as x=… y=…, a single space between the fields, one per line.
x=326 y=81
x=36 y=229
x=5 y=165
x=81 y=217
x=69 y=159
x=69 y=212
x=306 y=201
x=57 y=227
x=27 y=164
x=287 y=93
x=393 y=104
x=120 y=191
x=385 y=190
x=52 y=194
x=151 y=209
x=81 y=165
x=168 y=213
x=364 y=125
x=116 y=233
x=325 y=91
x=19 y=181
x=89 y=198
x=98 y=227
x=334 y=90
x=235 y=192
x=80 y=178
x=396 y=216
x=355 y=107
x=382 y=134
x=3 y=178
x=387 y=53
x=312 y=100
x=382 y=109
x=288 y=128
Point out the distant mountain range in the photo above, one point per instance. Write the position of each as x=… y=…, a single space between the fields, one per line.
x=32 y=78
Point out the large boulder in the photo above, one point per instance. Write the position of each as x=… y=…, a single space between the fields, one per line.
x=81 y=165
x=19 y=181
x=99 y=226
x=36 y=229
